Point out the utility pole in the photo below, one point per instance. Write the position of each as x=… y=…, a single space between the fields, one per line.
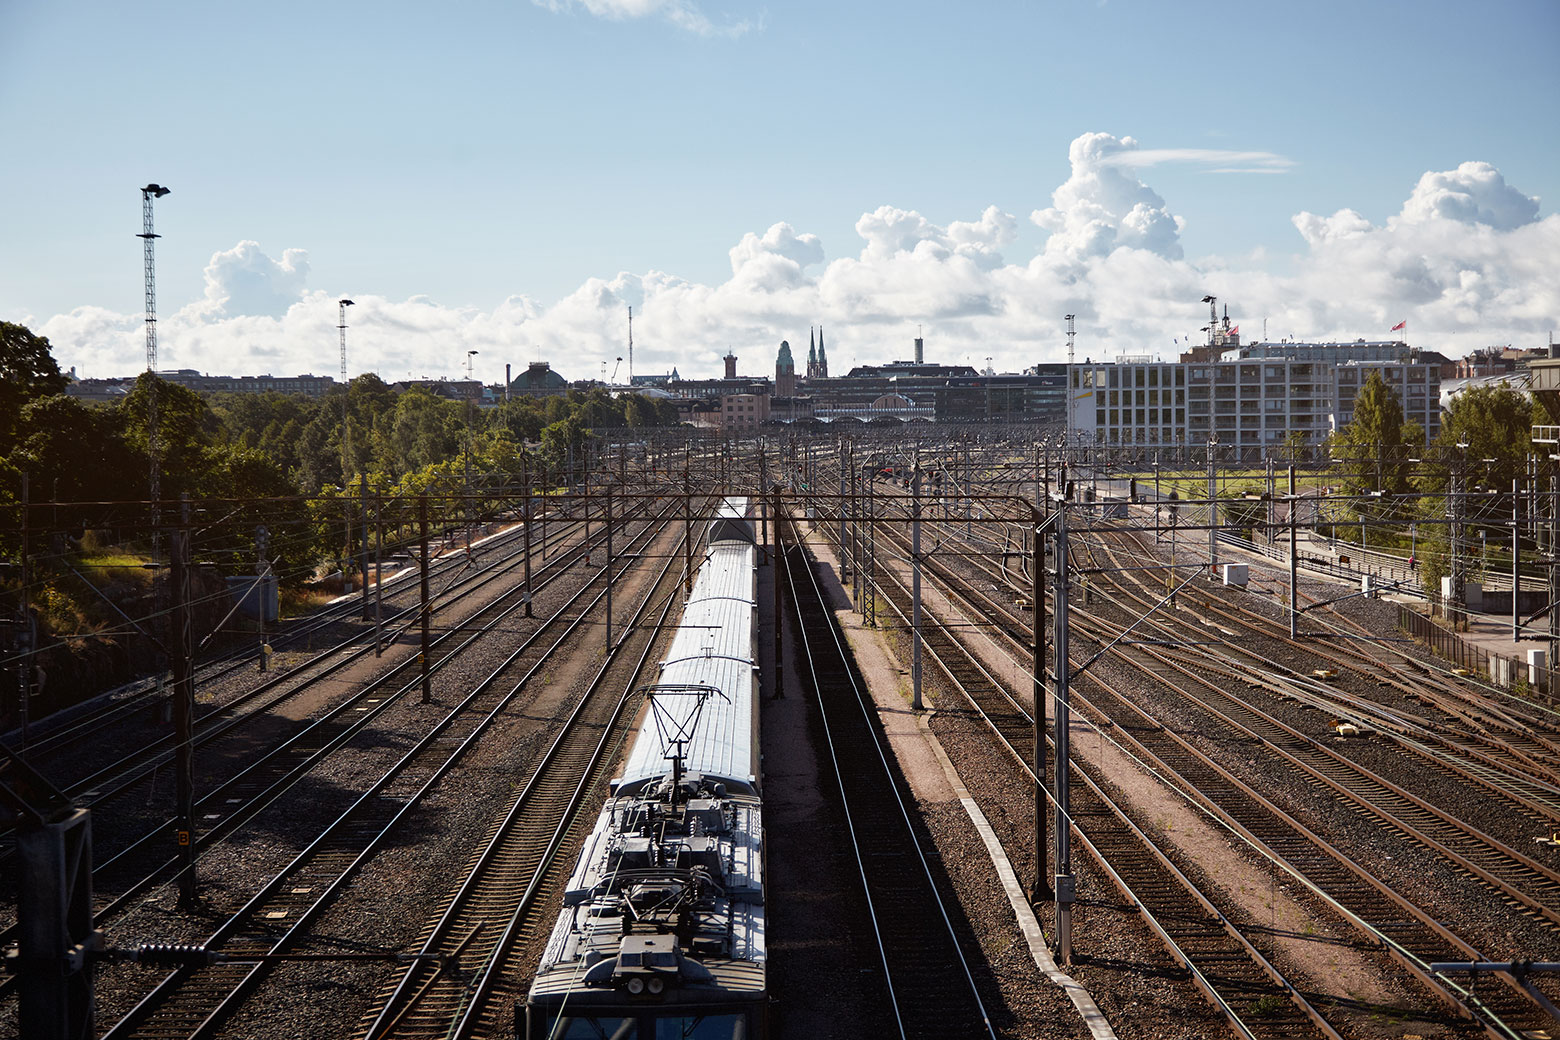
x=422 y=537
x=379 y=573
x=607 y=523
x=1041 y=890
x=1064 y=875
x=844 y=555
x=1294 y=561
x=915 y=585
x=368 y=613
x=1213 y=512
x=26 y=631
x=262 y=565
x=687 y=532
x=184 y=707
x=870 y=582
x=525 y=523
x=1516 y=559
x=775 y=575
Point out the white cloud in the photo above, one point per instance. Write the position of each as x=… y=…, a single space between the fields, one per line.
x=682 y=13
x=1468 y=261
x=243 y=280
x=1474 y=193
x=1219 y=160
x=1103 y=206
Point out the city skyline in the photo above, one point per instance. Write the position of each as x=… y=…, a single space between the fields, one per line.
x=512 y=180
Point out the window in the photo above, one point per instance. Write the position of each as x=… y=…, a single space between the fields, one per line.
x=1115 y=379
x=1153 y=377
x=1140 y=399
x=1138 y=379
x=567 y=1028
x=1180 y=376
x=701 y=1027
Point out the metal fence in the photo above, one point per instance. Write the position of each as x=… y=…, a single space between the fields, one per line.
x=1497 y=669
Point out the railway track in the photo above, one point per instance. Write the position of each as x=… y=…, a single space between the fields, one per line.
x=499 y=903
x=193 y=1002
x=931 y=985
x=266 y=766
x=1413 y=936
x=1255 y=997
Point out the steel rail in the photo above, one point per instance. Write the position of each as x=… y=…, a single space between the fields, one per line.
x=490 y=880
x=342 y=849
x=924 y=989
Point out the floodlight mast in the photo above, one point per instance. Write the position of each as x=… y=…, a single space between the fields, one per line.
x=148 y=237
x=341 y=323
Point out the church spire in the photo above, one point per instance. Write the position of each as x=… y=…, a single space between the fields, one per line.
x=823 y=357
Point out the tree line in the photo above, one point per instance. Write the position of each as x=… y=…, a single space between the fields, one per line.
x=297 y=455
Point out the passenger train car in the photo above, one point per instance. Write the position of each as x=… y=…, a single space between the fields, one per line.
x=662 y=931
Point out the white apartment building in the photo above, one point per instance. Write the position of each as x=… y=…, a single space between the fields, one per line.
x=1253 y=398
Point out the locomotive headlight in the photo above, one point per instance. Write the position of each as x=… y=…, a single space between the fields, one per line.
x=636 y=985
x=657 y=986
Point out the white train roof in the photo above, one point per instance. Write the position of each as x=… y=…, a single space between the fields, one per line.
x=713 y=648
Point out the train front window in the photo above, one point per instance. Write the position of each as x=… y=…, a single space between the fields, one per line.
x=702 y=1027
x=568 y=1027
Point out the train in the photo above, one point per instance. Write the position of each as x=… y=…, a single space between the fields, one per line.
x=661 y=935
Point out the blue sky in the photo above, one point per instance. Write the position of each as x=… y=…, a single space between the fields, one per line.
x=510 y=176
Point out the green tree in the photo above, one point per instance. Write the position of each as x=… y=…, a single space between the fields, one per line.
x=74 y=452
x=1484 y=422
x=1375 y=446
x=186 y=427
x=27 y=372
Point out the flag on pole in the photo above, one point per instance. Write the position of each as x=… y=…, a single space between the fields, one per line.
x=1235 y=331
x=1400 y=326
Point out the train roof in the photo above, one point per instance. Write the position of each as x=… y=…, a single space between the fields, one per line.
x=731 y=522
x=713 y=649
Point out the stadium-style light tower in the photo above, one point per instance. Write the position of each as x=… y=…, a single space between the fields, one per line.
x=148 y=237
x=346 y=443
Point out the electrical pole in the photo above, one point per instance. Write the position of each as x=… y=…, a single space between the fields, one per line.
x=525 y=524
x=422 y=536
x=1064 y=876
x=607 y=523
x=1213 y=513
x=26 y=631
x=844 y=556
x=1294 y=561
x=1516 y=559
x=368 y=612
x=776 y=566
x=184 y=707
x=1041 y=890
x=915 y=585
x=379 y=574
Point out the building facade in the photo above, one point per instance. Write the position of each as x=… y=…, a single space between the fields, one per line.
x=1255 y=397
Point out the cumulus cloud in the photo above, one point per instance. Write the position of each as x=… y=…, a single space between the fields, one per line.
x=682 y=13
x=243 y=280
x=1474 y=193
x=1103 y=206
x=1468 y=261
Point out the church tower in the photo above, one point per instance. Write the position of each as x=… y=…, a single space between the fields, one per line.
x=823 y=357
x=785 y=372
